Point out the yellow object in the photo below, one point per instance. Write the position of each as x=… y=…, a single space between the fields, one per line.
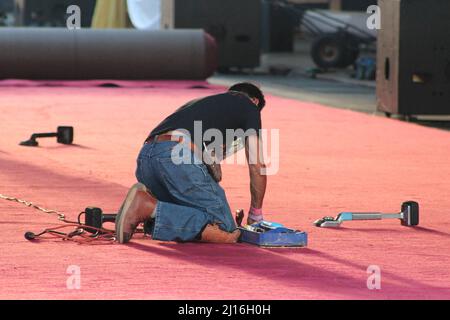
x=110 y=14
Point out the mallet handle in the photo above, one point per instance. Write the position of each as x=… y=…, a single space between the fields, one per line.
x=107 y=217
x=44 y=135
x=367 y=216
x=375 y=215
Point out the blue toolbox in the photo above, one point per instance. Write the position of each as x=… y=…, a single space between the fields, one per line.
x=271 y=234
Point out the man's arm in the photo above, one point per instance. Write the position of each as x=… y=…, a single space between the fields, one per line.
x=258 y=179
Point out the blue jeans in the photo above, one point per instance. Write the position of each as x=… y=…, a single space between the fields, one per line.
x=188 y=197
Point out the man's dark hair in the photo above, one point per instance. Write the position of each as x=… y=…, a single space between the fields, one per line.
x=252 y=91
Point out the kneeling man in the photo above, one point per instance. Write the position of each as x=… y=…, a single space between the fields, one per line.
x=182 y=200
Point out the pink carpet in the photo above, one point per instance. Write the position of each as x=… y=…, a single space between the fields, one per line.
x=331 y=161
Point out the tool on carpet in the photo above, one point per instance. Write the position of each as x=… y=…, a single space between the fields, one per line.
x=85 y=232
x=64 y=135
x=91 y=229
x=239 y=217
x=270 y=234
x=409 y=216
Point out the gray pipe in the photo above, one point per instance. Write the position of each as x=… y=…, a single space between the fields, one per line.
x=125 y=54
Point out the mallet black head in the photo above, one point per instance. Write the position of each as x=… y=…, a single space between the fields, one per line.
x=65 y=135
x=410 y=213
x=93 y=218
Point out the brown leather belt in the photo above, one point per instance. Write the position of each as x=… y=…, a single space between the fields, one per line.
x=169 y=137
x=164 y=138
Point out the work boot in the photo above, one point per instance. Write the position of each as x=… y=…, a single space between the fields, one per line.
x=214 y=234
x=137 y=208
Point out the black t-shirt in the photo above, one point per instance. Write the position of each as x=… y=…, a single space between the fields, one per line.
x=229 y=110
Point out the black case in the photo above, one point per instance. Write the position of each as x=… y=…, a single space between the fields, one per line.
x=413 y=59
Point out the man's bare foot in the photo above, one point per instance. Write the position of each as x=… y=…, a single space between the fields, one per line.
x=214 y=234
x=250 y=221
x=137 y=207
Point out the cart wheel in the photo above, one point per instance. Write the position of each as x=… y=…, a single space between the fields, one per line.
x=328 y=51
x=388 y=114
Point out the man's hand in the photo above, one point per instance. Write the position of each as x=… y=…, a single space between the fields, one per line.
x=215 y=170
x=212 y=164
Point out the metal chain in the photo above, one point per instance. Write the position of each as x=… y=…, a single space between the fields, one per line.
x=30 y=204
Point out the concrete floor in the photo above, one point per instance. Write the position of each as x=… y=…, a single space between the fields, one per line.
x=299 y=87
x=335 y=89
